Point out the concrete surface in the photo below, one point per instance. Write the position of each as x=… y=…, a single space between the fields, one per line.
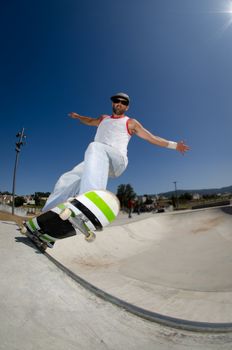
x=42 y=308
x=176 y=264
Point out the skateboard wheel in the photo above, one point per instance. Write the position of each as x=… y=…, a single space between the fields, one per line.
x=91 y=237
x=43 y=247
x=23 y=230
x=65 y=214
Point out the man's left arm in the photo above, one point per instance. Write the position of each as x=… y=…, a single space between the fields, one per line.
x=136 y=128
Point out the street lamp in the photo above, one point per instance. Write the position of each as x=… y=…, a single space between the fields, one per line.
x=18 y=144
x=177 y=204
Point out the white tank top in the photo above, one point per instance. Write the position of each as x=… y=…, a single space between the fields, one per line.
x=113 y=131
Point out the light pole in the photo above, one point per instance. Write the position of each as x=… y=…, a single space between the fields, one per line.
x=18 y=144
x=175 y=182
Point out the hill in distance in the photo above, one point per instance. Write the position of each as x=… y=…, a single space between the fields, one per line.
x=208 y=191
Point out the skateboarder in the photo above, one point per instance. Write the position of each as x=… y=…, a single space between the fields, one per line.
x=106 y=156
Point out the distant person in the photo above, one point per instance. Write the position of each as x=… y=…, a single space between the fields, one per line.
x=106 y=156
x=130 y=208
x=139 y=205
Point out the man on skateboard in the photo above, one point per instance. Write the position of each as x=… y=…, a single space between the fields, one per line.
x=84 y=214
x=106 y=156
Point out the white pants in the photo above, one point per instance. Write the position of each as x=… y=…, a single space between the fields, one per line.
x=101 y=161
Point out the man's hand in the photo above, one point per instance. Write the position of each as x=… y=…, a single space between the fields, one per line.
x=181 y=147
x=74 y=115
x=85 y=120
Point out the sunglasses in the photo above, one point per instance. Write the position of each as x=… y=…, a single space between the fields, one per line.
x=118 y=100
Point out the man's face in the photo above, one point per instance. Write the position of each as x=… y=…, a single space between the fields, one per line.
x=120 y=106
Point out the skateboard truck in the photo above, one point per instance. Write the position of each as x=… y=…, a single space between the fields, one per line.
x=35 y=239
x=79 y=223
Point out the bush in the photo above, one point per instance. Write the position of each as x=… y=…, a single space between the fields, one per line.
x=19 y=201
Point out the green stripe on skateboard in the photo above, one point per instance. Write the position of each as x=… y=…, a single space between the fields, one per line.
x=47 y=238
x=31 y=223
x=101 y=204
x=61 y=206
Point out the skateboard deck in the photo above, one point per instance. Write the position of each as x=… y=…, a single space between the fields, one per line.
x=85 y=213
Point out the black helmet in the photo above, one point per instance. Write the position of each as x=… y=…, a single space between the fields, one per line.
x=122 y=95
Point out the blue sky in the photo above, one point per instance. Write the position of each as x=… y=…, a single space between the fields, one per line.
x=173 y=57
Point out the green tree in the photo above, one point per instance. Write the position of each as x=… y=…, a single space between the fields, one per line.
x=148 y=200
x=39 y=198
x=124 y=194
x=186 y=197
x=19 y=201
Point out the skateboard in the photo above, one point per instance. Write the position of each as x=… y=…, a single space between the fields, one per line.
x=83 y=214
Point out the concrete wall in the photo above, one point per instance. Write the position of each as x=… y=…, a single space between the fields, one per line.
x=18 y=211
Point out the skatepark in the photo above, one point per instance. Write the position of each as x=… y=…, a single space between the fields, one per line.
x=156 y=281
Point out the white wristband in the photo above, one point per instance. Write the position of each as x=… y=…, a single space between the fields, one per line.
x=172 y=145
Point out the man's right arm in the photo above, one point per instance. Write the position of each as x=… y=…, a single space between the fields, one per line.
x=86 y=120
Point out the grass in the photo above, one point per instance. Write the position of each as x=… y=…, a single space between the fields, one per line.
x=9 y=217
